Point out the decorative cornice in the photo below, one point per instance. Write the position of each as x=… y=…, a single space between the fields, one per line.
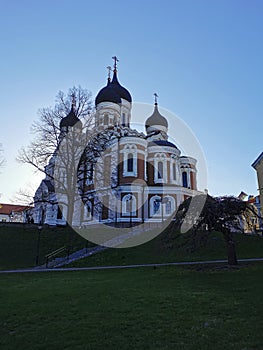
x=257 y=161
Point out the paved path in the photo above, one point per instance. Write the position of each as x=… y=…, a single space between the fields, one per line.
x=128 y=266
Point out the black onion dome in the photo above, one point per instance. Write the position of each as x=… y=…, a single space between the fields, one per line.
x=161 y=143
x=156 y=118
x=107 y=94
x=120 y=90
x=71 y=120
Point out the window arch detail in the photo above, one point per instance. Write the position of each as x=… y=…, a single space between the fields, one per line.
x=184 y=179
x=160 y=168
x=129 y=205
x=162 y=206
x=130 y=160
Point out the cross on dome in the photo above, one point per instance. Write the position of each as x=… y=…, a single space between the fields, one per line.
x=115 y=62
x=155 y=98
x=109 y=71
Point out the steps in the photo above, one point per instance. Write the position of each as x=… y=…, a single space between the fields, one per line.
x=85 y=252
x=80 y=254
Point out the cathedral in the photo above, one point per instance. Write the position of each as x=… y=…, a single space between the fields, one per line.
x=134 y=178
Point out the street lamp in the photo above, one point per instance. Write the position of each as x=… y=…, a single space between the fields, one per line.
x=38 y=244
x=164 y=201
x=129 y=198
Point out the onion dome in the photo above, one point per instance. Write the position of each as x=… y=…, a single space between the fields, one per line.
x=71 y=119
x=162 y=143
x=156 y=119
x=120 y=90
x=107 y=94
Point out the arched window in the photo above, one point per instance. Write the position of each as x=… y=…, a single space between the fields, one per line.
x=155 y=206
x=160 y=170
x=129 y=205
x=130 y=160
x=169 y=205
x=184 y=177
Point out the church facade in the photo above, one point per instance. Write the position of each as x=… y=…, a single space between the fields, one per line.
x=136 y=178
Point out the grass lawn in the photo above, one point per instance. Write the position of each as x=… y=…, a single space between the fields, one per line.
x=143 y=308
x=18 y=248
x=157 y=251
x=18 y=245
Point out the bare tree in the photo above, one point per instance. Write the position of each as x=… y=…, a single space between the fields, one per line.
x=55 y=151
x=47 y=128
x=2 y=159
x=226 y=214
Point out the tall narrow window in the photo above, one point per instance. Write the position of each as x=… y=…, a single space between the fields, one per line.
x=123 y=122
x=130 y=162
x=174 y=171
x=128 y=205
x=168 y=207
x=160 y=170
x=156 y=206
x=184 y=175
x=106 y=119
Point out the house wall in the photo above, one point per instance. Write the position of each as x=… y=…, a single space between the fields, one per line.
x=259 y=169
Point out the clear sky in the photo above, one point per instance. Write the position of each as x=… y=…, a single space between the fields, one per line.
x=203 y=57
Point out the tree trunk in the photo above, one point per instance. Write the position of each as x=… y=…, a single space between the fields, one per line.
x=70 y=210
x=231 y=249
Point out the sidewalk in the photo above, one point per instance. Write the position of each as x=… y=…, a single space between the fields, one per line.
x=182 y=263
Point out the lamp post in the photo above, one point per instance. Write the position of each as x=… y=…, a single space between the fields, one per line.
x=129 y=198
x=164 y=201
x=38 y=243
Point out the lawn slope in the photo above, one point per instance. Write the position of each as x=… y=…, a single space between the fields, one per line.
x=146 y=308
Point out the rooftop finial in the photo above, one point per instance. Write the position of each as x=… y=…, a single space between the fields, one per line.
x=155 y=98
x=115 y=63
x=109 y=70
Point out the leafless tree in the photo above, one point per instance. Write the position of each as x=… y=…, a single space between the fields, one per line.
x=47 y=128
x=2 y=159
x=55 y=152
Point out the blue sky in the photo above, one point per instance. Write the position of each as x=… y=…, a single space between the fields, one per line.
x=204 y=59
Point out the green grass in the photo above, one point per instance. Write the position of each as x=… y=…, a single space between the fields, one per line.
x=18 y=248
x=18 y=245
x=145 y=308
x=159 y=250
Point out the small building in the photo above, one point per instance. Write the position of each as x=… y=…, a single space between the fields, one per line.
x=258 y=166
x=15 y=213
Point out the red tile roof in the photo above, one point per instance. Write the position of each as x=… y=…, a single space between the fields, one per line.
x=8 y=208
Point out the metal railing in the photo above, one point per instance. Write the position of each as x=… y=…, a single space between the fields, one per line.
x=55 y=253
